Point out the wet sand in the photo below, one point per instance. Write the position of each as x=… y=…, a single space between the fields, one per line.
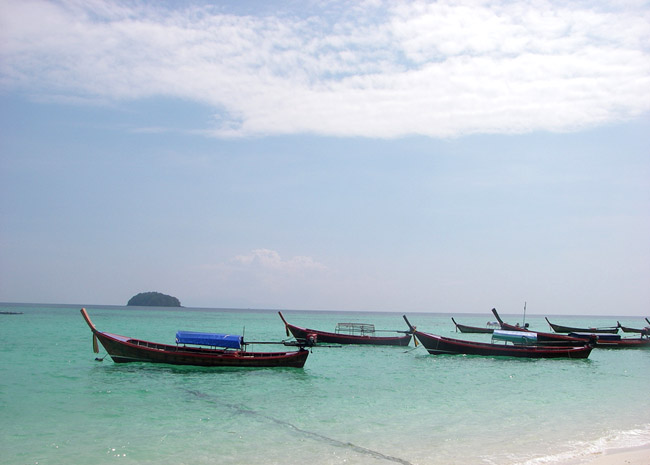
x=632 y=456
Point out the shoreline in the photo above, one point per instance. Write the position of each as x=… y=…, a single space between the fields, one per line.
x=638 y=455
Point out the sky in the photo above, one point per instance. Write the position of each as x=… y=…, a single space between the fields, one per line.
x=407 y=156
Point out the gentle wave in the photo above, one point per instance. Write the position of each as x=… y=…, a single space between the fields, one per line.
x=580 y=451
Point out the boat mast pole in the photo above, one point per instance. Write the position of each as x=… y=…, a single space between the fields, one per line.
x=524 y=323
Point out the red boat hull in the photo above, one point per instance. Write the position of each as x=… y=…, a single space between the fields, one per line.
x=597 y=340
x=472 y=329
x=629 y=343
x=643 y=331
x=438 y=345
x=569 y=329
x=612 y=341
x=335 y=338
x=543 y=338
x=124 y=350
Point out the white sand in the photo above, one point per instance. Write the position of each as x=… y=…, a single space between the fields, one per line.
x=634 y=456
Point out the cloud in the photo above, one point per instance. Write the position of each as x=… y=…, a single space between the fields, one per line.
x=372 y=69
x=265 y=259
x=263 y=278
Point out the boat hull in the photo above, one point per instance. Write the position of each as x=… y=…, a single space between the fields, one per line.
x=631 y=343
x=547 y=339
x=599 y=340
x=134 y=350
x=472 y=329
x=569 y=329
x=439 y=345
x=643 y=331
x=123 y=349
x=336 y=338
x=333 y=338
x=613 y=341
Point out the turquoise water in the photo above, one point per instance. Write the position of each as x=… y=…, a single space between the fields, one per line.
x=352 y=404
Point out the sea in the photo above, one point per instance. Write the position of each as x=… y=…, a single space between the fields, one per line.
x=60 y=403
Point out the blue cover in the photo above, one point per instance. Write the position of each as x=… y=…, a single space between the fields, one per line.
x=230 y=341
x=515 y=336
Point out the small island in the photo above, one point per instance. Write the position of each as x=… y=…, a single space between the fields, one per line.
x=153 y=299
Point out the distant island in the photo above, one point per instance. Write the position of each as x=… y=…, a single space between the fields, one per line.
x=153 y=299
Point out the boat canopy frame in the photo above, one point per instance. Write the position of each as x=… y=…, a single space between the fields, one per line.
x=355 y=329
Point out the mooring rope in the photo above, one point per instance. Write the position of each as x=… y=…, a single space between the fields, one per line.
x=310 y=434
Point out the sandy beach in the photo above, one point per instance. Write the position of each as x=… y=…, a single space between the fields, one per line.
x=631 y=456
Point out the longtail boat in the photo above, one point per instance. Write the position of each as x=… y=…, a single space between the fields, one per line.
x=569 y=329
x=613 y=341
x=190 y=349
x=541 y=337
x=507 y=326
x=471 y=329
x=627 y=329
x=438 y=345
x=347 y=333
x=598 y=340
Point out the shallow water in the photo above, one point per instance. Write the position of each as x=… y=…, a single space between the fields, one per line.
x=351 y=404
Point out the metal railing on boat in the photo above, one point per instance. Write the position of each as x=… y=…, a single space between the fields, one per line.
x=355 y=328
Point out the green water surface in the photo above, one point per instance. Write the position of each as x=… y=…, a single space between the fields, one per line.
x=350 y=404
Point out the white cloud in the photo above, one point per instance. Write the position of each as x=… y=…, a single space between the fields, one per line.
x=376 y=69
x=263 y=278
x=266 y=259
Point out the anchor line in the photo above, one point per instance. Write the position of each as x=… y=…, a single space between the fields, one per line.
x=310 y=434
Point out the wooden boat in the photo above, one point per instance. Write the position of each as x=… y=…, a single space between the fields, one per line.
x=347 y=333
x=438 y=345
x=190 y=350
x=627 y=329
x=542 y=338
x=598 y=340
x=569 y=329
x=613 y=341
x=506 y=326
x=471 y=329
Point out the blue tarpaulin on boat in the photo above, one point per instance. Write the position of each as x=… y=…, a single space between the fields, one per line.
x=230 y=341
x=523 y=337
